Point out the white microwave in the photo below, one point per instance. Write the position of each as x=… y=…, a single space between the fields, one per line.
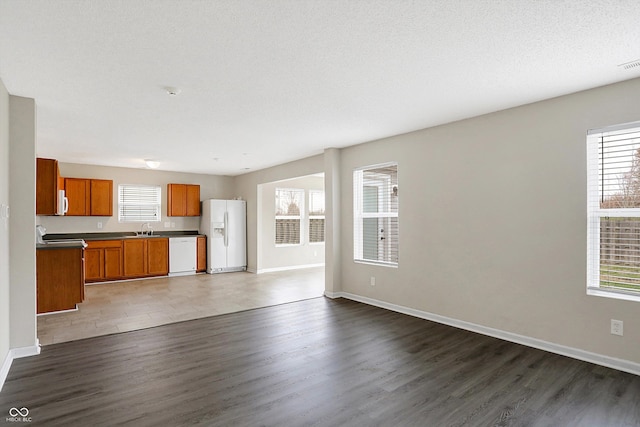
x=63 y=203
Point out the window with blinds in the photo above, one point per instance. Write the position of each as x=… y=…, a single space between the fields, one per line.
x=316 y=216
x=289 y=209
x=139 y=203
x=613 y=235
x=375 y=212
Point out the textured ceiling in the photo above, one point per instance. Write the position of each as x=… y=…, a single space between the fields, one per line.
x=266 y=82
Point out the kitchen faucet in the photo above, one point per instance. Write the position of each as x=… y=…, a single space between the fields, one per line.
x=149 y=229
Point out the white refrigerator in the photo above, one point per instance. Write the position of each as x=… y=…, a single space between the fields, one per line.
x=225 y=224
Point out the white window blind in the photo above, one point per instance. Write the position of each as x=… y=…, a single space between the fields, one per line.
x=613 y=235
x=288 y=215
x=375 y=209
x=316 y=216
x=139 y=203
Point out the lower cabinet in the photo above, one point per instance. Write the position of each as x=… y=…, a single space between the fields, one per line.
x=146 y=257
x=158 y=256
x=103 y=260
x=202 y=254
x=59 y=279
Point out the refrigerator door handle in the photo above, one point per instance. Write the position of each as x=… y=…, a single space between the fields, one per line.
x=226 y=229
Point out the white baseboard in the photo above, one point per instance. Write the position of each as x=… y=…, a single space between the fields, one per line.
x=287 y=268
x=575 y=353
x=16 y=353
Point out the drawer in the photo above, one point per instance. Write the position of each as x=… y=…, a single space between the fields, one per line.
x=100 y=244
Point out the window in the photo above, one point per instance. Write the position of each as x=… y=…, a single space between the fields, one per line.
x=289 y=209
x=139 y=203
x=613 y=235
x=316 y=216
x=375 y=212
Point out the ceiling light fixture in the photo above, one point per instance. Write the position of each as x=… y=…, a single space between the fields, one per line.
x=153 y=164
x=630 y=65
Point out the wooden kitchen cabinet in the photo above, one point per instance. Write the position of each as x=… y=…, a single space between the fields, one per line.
x=202 y=254
x=59 y=279
x=183 y=200
x=158 y=256
x=103 y=260
x=78 y=192
x=146 y=257
x=135 y=257
x=48 y=182
x=89 y=196
x=193 y=200
x=101 y=199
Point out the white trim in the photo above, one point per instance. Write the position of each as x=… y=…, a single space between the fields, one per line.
x=289 y=267
x=575 y=353
x=16 y=353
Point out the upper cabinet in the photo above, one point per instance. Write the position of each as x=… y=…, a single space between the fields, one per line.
x=48 y=182
x=89 y=196
x=101 y=197
x=183 y=200
x=78 y=192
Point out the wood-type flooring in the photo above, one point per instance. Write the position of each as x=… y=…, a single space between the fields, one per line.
x=317 y=362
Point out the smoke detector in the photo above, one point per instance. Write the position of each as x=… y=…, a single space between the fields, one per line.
x=173 y=91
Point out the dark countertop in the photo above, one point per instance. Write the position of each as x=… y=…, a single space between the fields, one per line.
x=118 y=235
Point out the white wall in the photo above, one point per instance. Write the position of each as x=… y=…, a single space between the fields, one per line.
x=4 y=230
x=272 y=257
x=493 y=222
x=22 y=222
x=211 y=187
x=246 y=186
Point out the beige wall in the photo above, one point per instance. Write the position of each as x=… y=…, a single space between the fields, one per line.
x=220 y=187
x=22 y=222
x=246 y=186
x=4 y=227
x=270 y=256
x=493 y=222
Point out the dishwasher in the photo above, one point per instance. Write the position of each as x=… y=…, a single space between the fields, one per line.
x=183 y=254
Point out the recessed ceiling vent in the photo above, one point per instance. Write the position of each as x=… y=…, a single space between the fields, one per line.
x=630 y=65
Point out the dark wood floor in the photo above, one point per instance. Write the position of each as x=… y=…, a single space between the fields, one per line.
x=316 y=362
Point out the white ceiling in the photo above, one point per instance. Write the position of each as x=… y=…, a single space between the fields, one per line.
x=266 y=82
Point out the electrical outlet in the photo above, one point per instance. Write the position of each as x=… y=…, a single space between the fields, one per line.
x=167 y=224
x=99 y=225
x=372 y=281
x=617 y=327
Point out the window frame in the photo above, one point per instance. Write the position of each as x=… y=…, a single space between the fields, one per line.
x=311 y=216
x=123 y=218
x=595 y=213
x=359 y=215
x=299 y=217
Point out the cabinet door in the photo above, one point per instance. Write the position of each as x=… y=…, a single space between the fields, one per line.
x=202 y=254
x=101 y=197
x=93 y=264
x=59 y=279
x=113 y=263
x=176 y=199
x=135 y=257
x=78 y=192
x=158 y=249
x=47 y=174
x=193 y=200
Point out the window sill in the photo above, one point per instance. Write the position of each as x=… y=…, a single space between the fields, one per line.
x=378 y=263
x=615 y=294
